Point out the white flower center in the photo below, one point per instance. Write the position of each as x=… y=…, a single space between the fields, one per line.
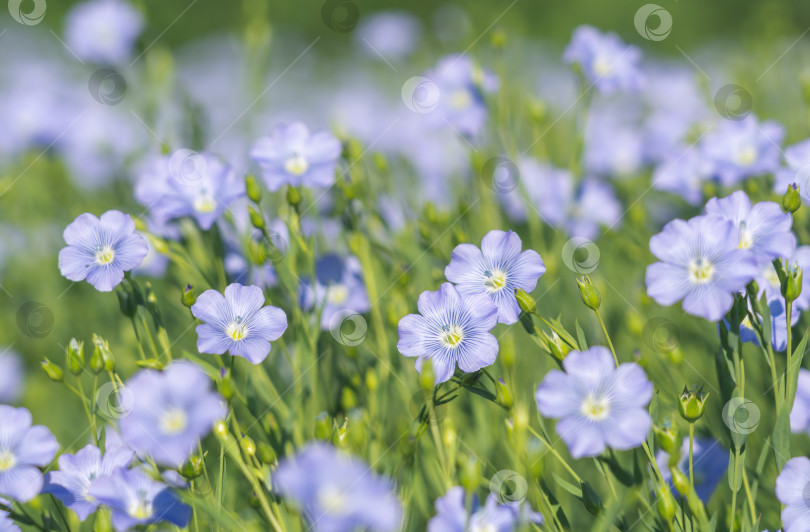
x=460 y=99
x=296 y=165
x=746 y=156
x=494 y=280
x=595 y=408
x=337 y=294
x=7 y=460
x=205 y=203
x=173 y=421
x=451 y=336
x=701 y=271
x=333 y=500
x=237 y=330
x=104 y=255
x=746 y=236
x=602 y=67
x=140 y=508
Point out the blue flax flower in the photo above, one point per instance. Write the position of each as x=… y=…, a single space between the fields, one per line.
x=797 y=158
x=103 y=31
x=776 y=307
x=339 y=287
x=100 y=250
x=71 y=483
x=291 y=155
x=800 y=415
x=170 y=411
x=337 y=493
x=701 y=263
x=605 y=60
x=739 y=149
x=6 y=523
x=451 y=514
x=237 y=322
x=23 y=449
x=135 y=499
x=792 y=491
x=598 y=405
x=450 y=329
x=187 y=183
x=763 y=228
x=497 y=270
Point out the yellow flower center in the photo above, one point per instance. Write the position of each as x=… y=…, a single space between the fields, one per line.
x=173 y=421
x=104 y=255
x=495 y=280
x=205 y=203
x=296 y=165
x=595 y=408
x=237 y=330
x=337 y=294
x=602 y=67
x=140 y=508
x=701 y=271
x=460 y=99
x=746 y=237
x=451 y=336
x=333 y=501
x=746 y=156
x=7 y=460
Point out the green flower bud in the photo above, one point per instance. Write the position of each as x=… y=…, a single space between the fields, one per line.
x=692 y=403
x=256 y=217
x=525 y=301
x=254 y=190
x=666 y=502
x=527 y=322
x=589 y=293
x=791 y=201
x=225 y=386
x=504 y=394
x=427 y=379
x=323 y=427
x=54 y=372
x=791 y=282
x=101 y=351
x=151 y=363
x=348 y=399
x=558 y=348
x=293 y=196
x=193 y=467
x=679 y=480
x=372 y=381
x=498 y=39
x=266 y=453
x=126 y=302
x=74 y=356
x=248 y=445
x=189 y=296
x=257 y=251
x=667 y=437
x=591 y=499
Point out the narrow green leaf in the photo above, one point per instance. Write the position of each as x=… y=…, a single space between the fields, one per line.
x=558 y=328
x=581 y=340
x=567 y=486
x=781 y=439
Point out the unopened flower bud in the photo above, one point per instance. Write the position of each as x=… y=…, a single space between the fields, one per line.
x=667 y=437
x=470 y=473
x=525 y=301
x=193 y=467
x=266 y=453
x=248 y=445
x=226 y=386
x=692 y=403
x=792 y=200
x=679 y=480
x=323 y=427
x=293 y=196
x=221 y=430
x=254 y=190
x=54 y=372
x=666 y=502
x=504 y=394
x=256 y=218
x=792 y=282
x=589 y=293
x=591 y=499
x=74 y=356
x=189 y=296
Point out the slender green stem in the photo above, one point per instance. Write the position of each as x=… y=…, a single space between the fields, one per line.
x=789 y=388
x=651 y=458
x=734 y=489
x=556 y=454
x=751 y=506
x=437 y=439
x=691 y=454
x=607 y=337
